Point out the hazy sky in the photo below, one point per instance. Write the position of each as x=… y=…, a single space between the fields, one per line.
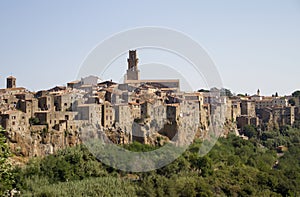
x=255 y=44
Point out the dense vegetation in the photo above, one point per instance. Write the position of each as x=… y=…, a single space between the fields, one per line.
x=234 y=167
x=6 y=175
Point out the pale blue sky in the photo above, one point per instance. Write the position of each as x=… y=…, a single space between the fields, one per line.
x=255 y=43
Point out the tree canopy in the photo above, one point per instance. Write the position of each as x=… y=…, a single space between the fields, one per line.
x=234 y=167
x=6 y=179
x=296 y=93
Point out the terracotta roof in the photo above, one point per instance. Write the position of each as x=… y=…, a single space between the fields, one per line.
x=87 y=105
x=168 y=88
x=20 y=88
x=121 y=104
x=151 y=81
x=173 y=104
x=268 y=97
x=11 y=111
x=12 y=89
x=47 y=111
x=86 y=86
x=74 y=82
x=133 y=103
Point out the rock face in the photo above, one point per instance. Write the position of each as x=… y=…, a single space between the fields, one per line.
x=39 y=141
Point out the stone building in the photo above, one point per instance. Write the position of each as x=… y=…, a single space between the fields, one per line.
x=203 y=108
x=28 y=106
x=11 y=82
x=123 y=118
x=57 y=89
x=135 y=110
x=108 y=115
x=14 y=120
x=228 y=110
x=90 y=113
x=74 y=84
x=272 y=102
x=64 y=101
x=155 y=111
x=132 y=72
x=173 y=112
x=279 y=116
x=10 y=101
x=46 y=102
x=123 y=115
x=205 y=117
x=236 y=109
x=244 y=120
x=90 y=80
x=248 y=108
x=265 y=115
x=280 y=102
x=284 y=115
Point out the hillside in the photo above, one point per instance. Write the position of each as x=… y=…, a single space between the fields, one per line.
x=234 y=167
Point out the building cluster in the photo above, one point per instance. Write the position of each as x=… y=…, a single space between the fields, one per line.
x=267 y=112
x=136 y=110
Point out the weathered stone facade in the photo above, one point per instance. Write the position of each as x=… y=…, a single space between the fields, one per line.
x=143 y=110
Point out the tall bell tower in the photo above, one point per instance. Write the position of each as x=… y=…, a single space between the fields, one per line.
x=11 y=82
x=133 y=72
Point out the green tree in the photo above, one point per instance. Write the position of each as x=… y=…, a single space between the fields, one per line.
x=101 y=186
x=203 y=90
x=34 y=121
x=297 y=124
x=249 y=131
x=6 y=176
x=292 y=101
x=296 y=93
x=226 y=92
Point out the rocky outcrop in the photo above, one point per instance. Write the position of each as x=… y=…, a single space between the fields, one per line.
x=39 y=141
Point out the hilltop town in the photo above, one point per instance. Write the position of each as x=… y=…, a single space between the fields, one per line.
x=147 y=111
